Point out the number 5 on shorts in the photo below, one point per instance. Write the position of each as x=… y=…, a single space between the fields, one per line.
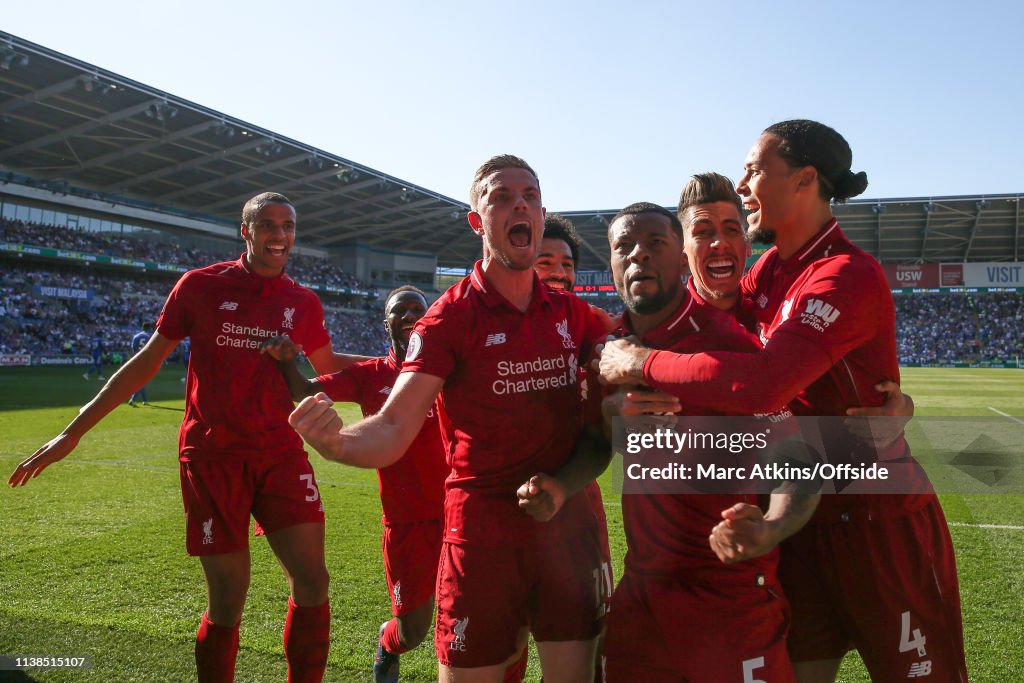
x=748 y=669
x=314 y=494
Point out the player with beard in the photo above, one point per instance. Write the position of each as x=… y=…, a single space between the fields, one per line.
x=670 y=569
x=874 y=572
x=559 y=253
x=503 y=351
x=411 y=490
x=238 y=455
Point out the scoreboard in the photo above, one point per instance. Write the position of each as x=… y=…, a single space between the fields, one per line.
x=594 y=283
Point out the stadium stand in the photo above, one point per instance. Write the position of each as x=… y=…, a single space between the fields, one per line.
x=57 y=308
x=302 y=268
x=959 y=328
x=176 y=168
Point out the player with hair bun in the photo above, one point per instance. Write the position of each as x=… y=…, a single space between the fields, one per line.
x=871 y=572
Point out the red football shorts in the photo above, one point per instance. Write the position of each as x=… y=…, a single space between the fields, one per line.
x=487 y=595
x=887 y=587
x=221 y=492
x=411 y=553
x=696 y=629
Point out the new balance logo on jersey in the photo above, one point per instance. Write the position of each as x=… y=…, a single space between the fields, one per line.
x=563 y=329
x=920 y=669
x=386 y=391
x=459 y=641
x=495 y=339
x=229 y=306
x=208 y=532
x=819 y=314
x=288 y=323
x=762 y=301
x=398 y=594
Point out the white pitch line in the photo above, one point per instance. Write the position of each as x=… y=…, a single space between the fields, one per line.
x=987 y=526
x=1015 y=419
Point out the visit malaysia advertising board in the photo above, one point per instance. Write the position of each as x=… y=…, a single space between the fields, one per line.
x=931 y=275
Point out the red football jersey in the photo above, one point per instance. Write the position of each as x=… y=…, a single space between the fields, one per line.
x=667 y=534
x=510 y=406
x=412 y=489
x=808 y=295
x=834 y=299
x=236 y=400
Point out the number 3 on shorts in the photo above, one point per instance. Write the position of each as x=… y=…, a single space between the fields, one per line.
x=748 y=669
x=314 y=492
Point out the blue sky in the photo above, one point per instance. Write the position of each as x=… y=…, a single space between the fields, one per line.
x=611 y=102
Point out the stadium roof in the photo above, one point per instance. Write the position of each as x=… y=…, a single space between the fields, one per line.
x=904 y=230
x=65 y=121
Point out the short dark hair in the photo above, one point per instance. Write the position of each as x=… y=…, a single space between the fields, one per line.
x=404 y=288
x=809 y=143
x=495 y=163
x=256 y=204
x=147 y=326
x=649 y=207
x=558 y=227
x=706 y=188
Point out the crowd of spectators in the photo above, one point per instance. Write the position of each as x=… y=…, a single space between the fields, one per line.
x=950 y=328
x=931 y=328
x=160 y=249
x=35 y=322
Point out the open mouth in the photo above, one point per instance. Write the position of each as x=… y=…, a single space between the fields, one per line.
x=520 y=235
x=720 y=269
x=275 y=250
x=639 y=279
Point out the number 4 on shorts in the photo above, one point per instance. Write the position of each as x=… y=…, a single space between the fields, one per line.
x=906 y=644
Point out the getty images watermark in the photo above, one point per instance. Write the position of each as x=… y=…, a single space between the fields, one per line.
x=830 y=455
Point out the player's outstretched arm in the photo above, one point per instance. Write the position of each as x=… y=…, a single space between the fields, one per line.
x=746 y=532
x=286 y=353
x=759 y=382
x=132 y=376
x=543 y=495
x=377 y=441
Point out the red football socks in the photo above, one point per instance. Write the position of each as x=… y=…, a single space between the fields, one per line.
x=216 y=650
x=307 y=640
x=390 y=640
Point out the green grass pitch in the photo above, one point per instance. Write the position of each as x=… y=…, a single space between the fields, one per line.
x=93 y=561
